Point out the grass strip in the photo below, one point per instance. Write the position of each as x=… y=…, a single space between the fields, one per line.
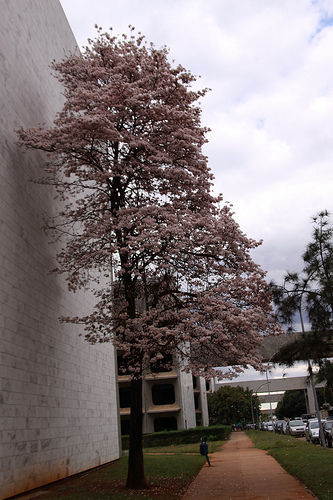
x=309 y=463
x=169 y=470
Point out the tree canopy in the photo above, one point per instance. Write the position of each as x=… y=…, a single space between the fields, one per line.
x=309 y=295
x=292 y=405
x=169 y=266
x=230 y=405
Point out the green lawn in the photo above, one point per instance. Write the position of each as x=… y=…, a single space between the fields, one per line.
x=169 y=470
x=310 y=464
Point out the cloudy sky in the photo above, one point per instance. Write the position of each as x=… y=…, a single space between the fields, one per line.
x=269 y=65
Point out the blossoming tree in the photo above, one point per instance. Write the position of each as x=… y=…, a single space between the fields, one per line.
x=170 y=269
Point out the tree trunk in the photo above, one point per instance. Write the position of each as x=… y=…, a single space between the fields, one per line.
x=135 y=475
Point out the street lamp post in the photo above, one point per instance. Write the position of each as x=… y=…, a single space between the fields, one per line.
x=265 y=383
x=252 y=410
x=269 y=395
x=269 y=392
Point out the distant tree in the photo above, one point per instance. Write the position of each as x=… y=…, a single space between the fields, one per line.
x=230 y=405
x=292 y=405
x=326 y=375
x=311 y=293
x=313 y=290
x=125 y=157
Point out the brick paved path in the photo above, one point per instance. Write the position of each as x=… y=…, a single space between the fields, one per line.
x=242 y=472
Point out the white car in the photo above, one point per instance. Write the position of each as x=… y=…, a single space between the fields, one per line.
x=312 y=430
x=296 y=428
x=269 y=426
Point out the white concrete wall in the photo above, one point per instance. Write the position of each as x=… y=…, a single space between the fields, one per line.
x=58 y=411
x=187 y=401
x=203 y=402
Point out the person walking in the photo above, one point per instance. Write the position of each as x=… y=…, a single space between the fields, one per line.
x=204 y=450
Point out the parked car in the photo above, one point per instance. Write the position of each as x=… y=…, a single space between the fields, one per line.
x=268 y=426
x=312 y=430
x=282 y=427
x=306 y=416
x=327 y=428
x=278 y=425
x=296 y=428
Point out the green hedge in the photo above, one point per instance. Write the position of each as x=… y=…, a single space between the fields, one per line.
x=185 y=436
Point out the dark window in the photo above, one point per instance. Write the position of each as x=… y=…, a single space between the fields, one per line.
x=207 y=385
x=125 y=427
x=165 y=424
x=163 y=365
x=196 y=401
x=163 y=394
x=125 y=397
x=194 y=382
x=122 y=366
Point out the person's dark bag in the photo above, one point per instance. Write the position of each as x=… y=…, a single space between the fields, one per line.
x=203 y=449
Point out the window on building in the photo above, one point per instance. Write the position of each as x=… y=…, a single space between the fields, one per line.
x=163 y=394
x=125 y=427
x=194 y=382
x=122 y=366
x=196 y=401
x=165 y=424
x=124 y=397
x=163 y=365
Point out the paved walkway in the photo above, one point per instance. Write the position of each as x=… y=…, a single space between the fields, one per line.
x=241 y=471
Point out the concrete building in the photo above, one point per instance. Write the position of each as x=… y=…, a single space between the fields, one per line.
x=172 y=400
x=58 y=398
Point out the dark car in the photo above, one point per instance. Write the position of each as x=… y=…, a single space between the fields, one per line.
x=278 y=425
x=327 y=428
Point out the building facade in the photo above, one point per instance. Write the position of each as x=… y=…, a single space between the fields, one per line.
x=58 y=396
x=172 y=400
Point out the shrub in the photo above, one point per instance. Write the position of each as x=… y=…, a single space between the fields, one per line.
x=184 y=436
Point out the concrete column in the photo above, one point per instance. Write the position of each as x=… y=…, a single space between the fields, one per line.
x=203 y=402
